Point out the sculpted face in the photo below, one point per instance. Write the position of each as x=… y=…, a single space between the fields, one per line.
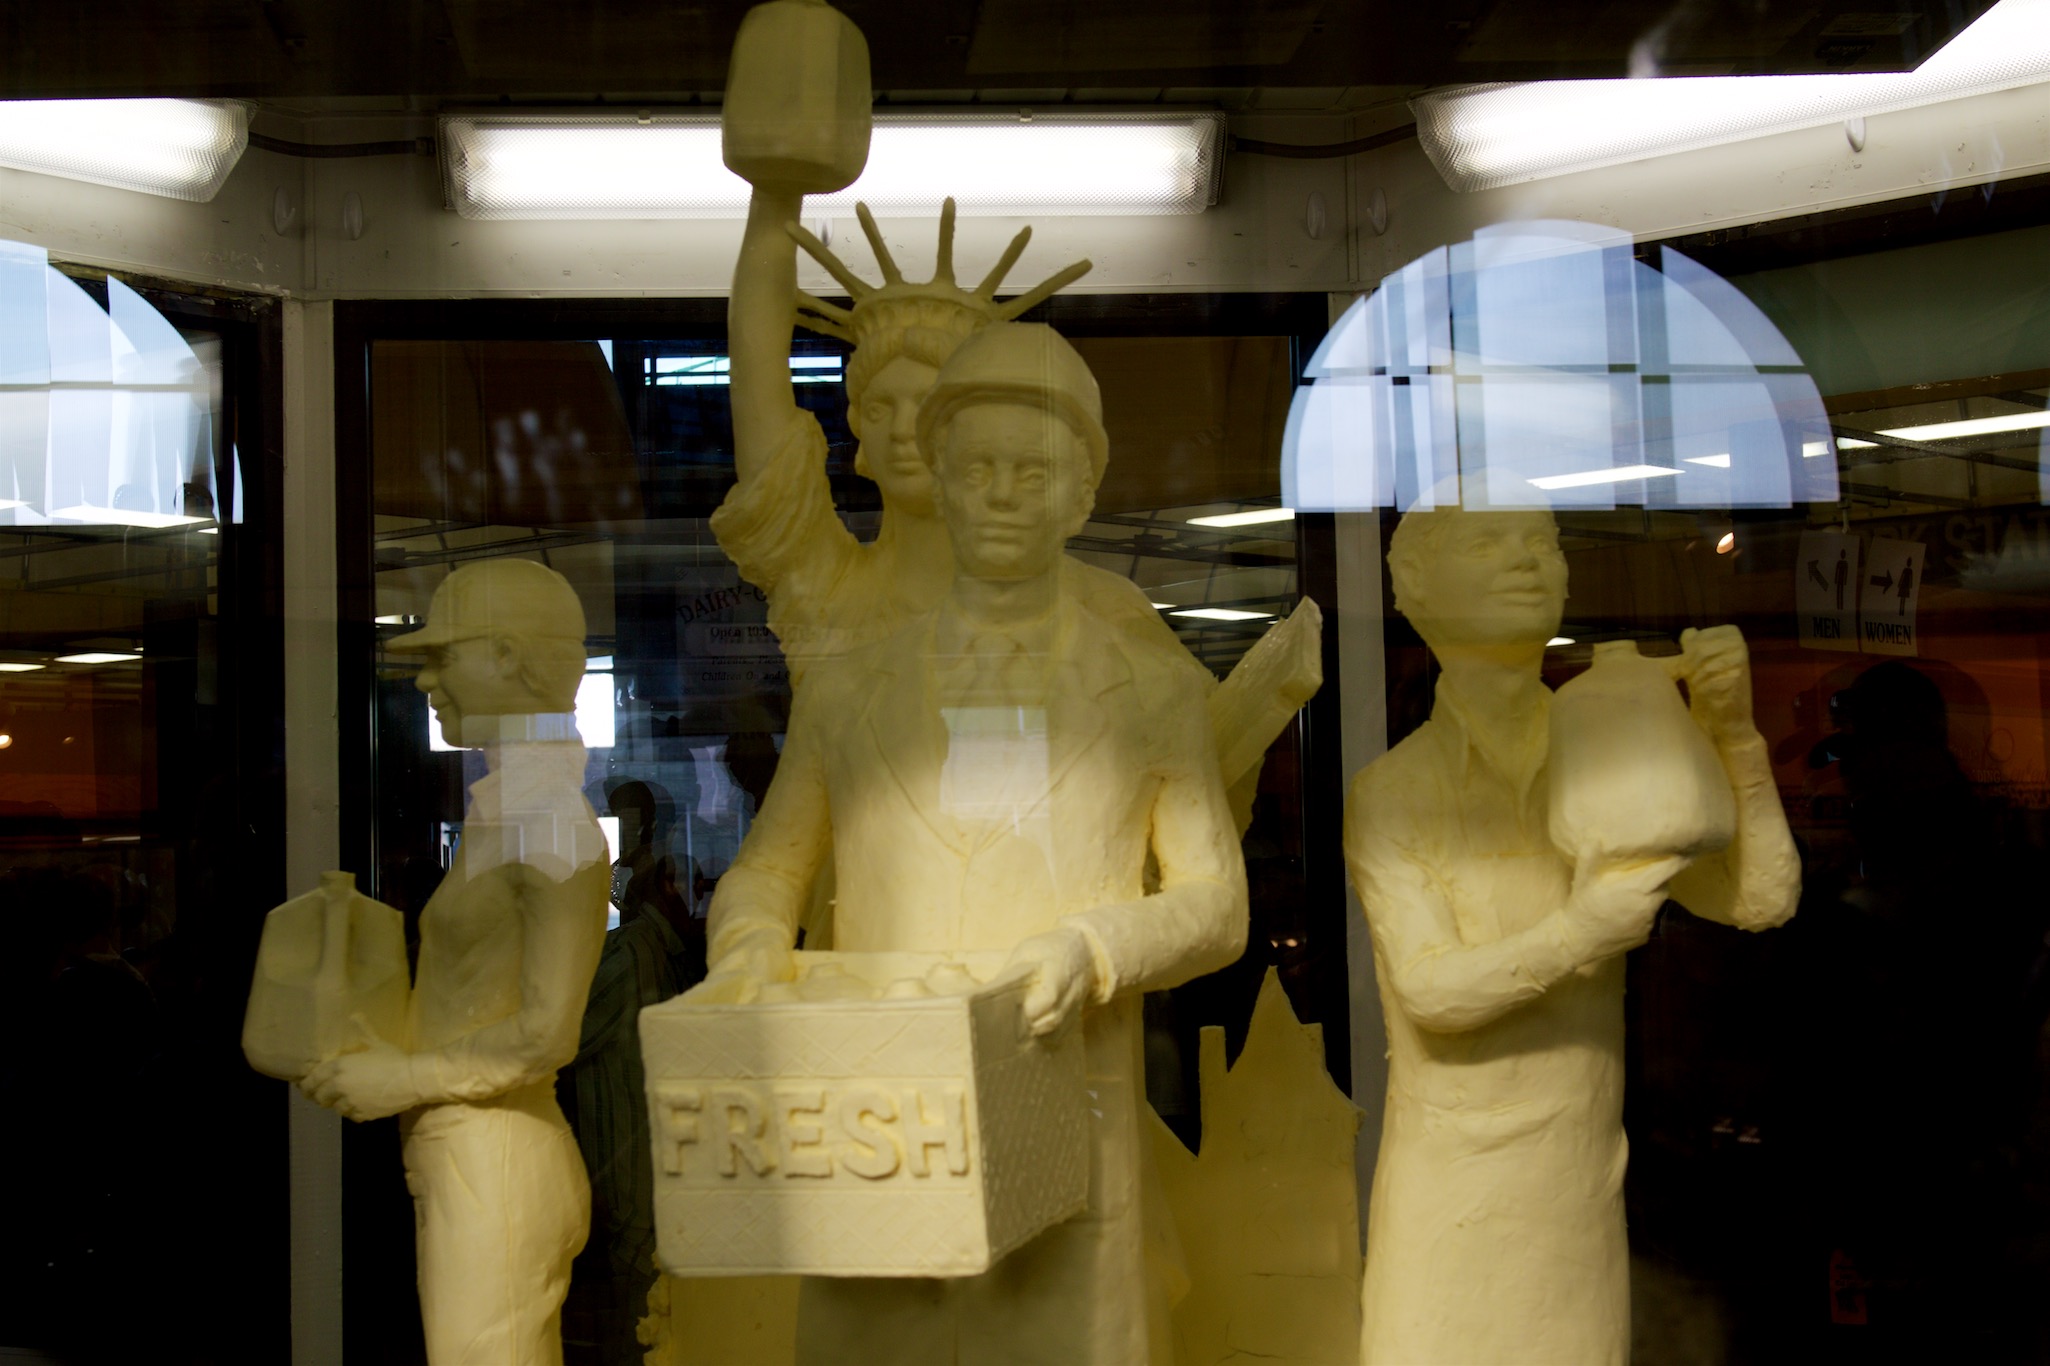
x=473 y=677
x=1488 y=578
x=887 y=422
x=1013 y=486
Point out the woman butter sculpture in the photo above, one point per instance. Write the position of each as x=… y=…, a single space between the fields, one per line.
x=1495 y=1233
x=992 y=777
x=508 y=944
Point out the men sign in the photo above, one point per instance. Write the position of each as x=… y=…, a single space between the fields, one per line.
x=1826 y=590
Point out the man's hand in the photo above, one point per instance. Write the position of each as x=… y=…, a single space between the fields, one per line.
x=1717 y=668
x=741 y=973
x=1063 y=978
x=367 y=1085
x=1612 y=908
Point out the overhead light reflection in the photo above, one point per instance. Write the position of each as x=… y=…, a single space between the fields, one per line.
x=1221 y=614
x=1254 y=517
x=1971 y=426
x=1584 y=478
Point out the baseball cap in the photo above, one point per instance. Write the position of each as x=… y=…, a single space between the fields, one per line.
x=1018 y=363
x=484 y=596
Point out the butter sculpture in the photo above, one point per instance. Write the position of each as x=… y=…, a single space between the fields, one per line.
x=1495 y=1232
x=881 y=1114
x=790 y=122
x=991 y=779
x=1267 y=1210
x=508 y=944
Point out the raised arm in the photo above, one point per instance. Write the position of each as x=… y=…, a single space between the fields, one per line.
x=1439 y=981
x=760 y=317
x=1755 y=884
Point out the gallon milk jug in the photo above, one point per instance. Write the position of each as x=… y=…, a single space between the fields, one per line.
x=1631 y=776
x=330 y=966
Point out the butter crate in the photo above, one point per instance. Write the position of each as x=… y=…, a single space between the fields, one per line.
x=922 y=1136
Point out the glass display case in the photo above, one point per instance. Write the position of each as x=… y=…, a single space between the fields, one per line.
x=1461 y=353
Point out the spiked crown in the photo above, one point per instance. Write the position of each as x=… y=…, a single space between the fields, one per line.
x=897 y=308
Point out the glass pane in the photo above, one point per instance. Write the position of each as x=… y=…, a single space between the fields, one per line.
x=139 y=843
x=604 y=460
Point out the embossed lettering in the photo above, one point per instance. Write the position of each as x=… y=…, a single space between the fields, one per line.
x=743 y=1127
x=798 y=1140
x=873 y=1149
x=678 y=1106
x=949 y=1131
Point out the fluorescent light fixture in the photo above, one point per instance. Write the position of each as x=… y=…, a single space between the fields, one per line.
x=1851 y=443
x=691 y=371
x=1164 y=606
x=1811 y=449
x=1585 y=478
x=1484 y=136
x=210 y=531
x=97 y=657
x=626 y=165
x=598 y=664
x=6 y=503
x=123 y=517
x=1971 y=426
x=180 y=149
x=1220 y=614
x=10 y=667
x=1255 y=517
x=1559 y=640
x=1720 y=462
x=395 y=619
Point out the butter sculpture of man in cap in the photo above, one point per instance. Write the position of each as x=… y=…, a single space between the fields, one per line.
x=508 y=944
x=992 y=778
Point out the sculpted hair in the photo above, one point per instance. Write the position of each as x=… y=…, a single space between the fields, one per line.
x=1418 y=538
x=550 y=667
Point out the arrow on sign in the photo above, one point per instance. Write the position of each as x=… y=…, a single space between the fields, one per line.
x=1816 y=574
x=1882 y=582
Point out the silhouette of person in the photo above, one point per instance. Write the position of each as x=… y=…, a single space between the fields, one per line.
x=1907 y=587
x=657 y=952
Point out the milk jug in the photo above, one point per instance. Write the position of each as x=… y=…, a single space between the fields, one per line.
x=1630 y=774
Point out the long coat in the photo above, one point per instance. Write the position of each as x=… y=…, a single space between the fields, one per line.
x=948 y=834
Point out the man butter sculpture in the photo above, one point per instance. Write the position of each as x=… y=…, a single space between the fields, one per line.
x=789 y=134
x=992 y=777
x=508 y=944
x=1495 y=1233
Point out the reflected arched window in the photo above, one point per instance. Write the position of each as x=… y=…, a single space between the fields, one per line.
x=106 y=414
x=1549 y=363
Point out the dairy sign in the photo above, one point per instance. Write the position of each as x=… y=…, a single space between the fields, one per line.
x=724 y=645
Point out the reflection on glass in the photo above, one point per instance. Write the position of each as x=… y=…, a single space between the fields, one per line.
x=1548 y=364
